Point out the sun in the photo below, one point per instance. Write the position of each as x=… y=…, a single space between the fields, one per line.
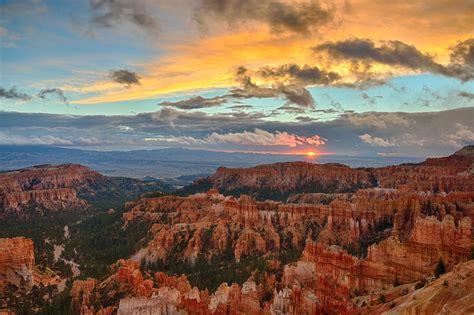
x=311 y=153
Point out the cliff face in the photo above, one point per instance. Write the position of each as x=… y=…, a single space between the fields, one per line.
x=16 y=262
x=17 y=267
x=48 y=187
x=285 y=180
x=414 y=231
x=392 y=262
x=209 y=224
x=268 y=181
x=60 y=187
x=452 y=293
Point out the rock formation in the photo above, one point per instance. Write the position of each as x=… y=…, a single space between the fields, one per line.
x=57 y=187
x=452 y=293
x=16 y=262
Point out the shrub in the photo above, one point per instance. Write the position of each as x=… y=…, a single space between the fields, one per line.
x=420 y=284
x=382 y=298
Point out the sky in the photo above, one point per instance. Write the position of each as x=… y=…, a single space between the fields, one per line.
x=357 y=77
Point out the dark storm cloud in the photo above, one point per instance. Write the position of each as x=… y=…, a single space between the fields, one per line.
x=396 y=53
x=305 y=75
x=197 y=102
x=302 y=18
x=125 y=77
x=54 y=91
x=108 y=13
x=12 y=93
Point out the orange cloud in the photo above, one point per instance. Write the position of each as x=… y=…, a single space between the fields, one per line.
x=207 y=62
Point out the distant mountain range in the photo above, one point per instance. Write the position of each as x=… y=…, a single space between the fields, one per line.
x=180 y=166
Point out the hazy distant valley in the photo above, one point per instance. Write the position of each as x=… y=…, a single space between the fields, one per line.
x=174 y=166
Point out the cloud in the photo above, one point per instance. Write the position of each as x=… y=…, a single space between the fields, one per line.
x=293 y=94
x=197 y=102
x=416 y=134
x=393 y=53
x=14 y=139
x=55 y=91
x=261 y=137
x=469 y=96
x=463 y=136
x=295 y=74
x=377 y=120
x=280 y=16
x=108 y=13
x=371 y=100
x=288 y=108
x=463 y=52
x=397 y=53
x=12 y=93
x=125 y=77
x=194 y=119
x=241 y=107
x=258 y=137
x=305 y=119
x=376 y=141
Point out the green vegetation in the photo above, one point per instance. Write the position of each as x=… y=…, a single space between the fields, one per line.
x=203 y=185
x=222 y=268
x=200 y=185
x=420 y=284
x=101 y=240
x=60 y=304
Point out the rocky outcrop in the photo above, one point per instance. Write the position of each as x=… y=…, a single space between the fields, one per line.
x=281 y=181
x=390 y=262
x=19 y=276
x=126 y=279
x=16 y=262
x=284 y=179
x=49 y=187
x=57 y=187
x=208 y=224
x=452 y=293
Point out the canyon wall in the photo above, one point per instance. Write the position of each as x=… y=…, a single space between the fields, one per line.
x=16 y=262
x=49 y=187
